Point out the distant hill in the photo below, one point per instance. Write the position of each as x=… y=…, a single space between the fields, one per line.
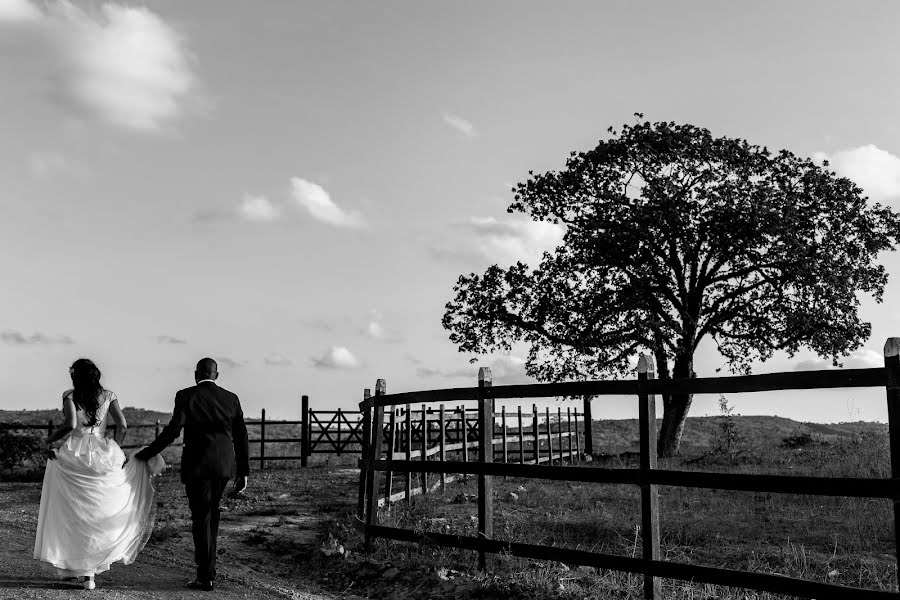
x=702 y=432
x=134 y=416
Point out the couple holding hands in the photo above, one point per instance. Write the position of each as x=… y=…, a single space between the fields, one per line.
x=97 y=505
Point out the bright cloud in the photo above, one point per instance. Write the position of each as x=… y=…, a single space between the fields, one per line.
x=318 y=203
x=258 y=208
x=875 y=170
x=509 y=240
x=169 y=339
x=17 y=338
x=227 y=362
x=18 y=11
x=862 y=358
x=337 y=357
x=122 y=65
x=460 y=124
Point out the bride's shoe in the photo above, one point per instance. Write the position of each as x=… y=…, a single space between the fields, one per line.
x=88 y=583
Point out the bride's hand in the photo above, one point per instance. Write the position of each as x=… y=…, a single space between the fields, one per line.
x=51 y=453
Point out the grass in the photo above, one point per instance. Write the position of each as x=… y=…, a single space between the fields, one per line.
x=848 y=541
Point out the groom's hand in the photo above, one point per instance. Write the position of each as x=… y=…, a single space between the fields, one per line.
x=240 y=484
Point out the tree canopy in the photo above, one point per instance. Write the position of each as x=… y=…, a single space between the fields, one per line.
x=672 y=236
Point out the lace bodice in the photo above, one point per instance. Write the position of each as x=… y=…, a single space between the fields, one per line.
x=98 y=430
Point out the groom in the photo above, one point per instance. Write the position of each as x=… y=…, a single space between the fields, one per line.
x=215 y=449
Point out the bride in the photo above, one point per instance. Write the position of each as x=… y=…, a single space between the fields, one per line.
x=97 y=507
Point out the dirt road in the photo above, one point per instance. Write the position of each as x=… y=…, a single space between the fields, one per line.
x=165 y=565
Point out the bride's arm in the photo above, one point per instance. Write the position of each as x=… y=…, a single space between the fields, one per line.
x=69 y=421
x=119 y=417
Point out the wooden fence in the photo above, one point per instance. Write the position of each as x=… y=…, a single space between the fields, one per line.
x=439 y=434
x=321 y=432
x=647 y=477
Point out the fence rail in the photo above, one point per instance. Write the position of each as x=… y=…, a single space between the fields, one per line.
x=647 y=477
x=320 y=432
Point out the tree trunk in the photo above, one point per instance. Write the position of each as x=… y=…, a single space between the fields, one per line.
x=675 y=410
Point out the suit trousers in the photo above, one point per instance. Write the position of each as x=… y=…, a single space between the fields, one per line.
x=204 y=496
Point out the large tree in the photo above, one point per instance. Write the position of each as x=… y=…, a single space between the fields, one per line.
x=672 y=236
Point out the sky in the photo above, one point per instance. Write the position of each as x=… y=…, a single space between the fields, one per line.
x=293 y=188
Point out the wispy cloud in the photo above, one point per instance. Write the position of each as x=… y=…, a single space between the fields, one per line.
x=505 y=370
x=43 y=164
x=862 y=358
x=277 y=360
x=874 y=170
x=228 y=362
x=121 y=65
x=313 y=198
x=504 y=241
x=258 y=209
x=168 y=339
x=460 y=124
x=17 y=338
x=337 y=357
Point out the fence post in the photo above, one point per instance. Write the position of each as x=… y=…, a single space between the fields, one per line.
x=588 y=434
x=389 y=474
x=49 y=427
x=156 y=434
x=559 y=432
x=464 y=434
x=485 y=456
x=375 y=454
x=408 y=454
x=577 y=438
x=337 y=434
x=649 y=492
x=521 y=435
x=423 y=477
x=305 y=427
x=262 y=440
x=535 y=429
x=549 y=437
x=569 y=432
x=443 y=450
x=364 y=451
x=503 y=420
x=892 y=366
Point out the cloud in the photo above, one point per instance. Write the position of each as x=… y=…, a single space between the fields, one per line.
x=376 y=329
x=337 y=357
x=505 y=370
x=277 y=360
x=875 y=170
x=318 y=203
x=258 y=209
x=503 y=241
x=16 y=338
x=460 y=124
x=168 y=339
x=43 y=164
x=121 y=65
x=18 y=11
x=228 y=362
x=862 y=358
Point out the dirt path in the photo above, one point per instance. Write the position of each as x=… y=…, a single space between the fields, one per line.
x=165 y=565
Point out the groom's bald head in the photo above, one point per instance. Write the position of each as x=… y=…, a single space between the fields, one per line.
x=206 y=369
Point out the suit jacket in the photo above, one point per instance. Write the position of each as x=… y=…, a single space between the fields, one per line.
x=215 y=436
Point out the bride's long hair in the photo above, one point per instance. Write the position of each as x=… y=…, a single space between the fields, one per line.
x=87 y=388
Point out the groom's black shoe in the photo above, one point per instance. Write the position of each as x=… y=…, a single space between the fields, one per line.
x=206 y=586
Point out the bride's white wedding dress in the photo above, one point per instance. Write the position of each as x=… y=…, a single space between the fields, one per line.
x=93 y=511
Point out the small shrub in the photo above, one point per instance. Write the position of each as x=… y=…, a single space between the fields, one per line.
x=728 y=437
x=798 y=440
x=20 y=450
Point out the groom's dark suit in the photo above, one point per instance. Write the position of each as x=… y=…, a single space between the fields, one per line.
x=215 y=449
